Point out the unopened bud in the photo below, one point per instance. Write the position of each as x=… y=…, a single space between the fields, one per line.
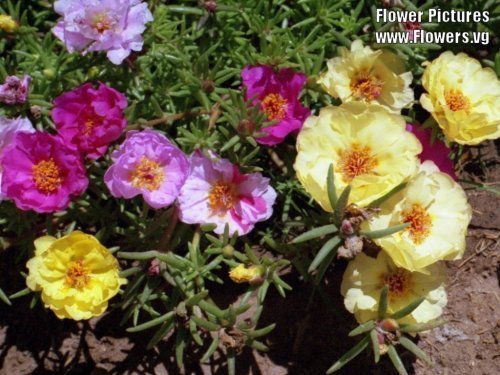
x=389 y=325
x=208 y=85
x=252 y=274
x=228 y=251
x=211 y=6
x=154 y=267
x=36 y=111
x=246 y=127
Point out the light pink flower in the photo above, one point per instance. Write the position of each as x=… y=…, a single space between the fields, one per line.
x=147 y=163
x=115 y=26
x=217 y=193
x=15 y=91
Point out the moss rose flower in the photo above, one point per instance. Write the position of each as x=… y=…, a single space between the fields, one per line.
x=147 y=163
x=367 y=145
x=90 y=118
x=75 y=274
x=365 y=277
x=217 y=193
x=277 y=95
x=41 y=173
x=115 y=26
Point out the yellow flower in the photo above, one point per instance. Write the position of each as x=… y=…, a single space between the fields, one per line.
x=368 y=146
x=436 y=208
x=377 y=77
x=75 y=274
x=7 y=23
x=241 y=274
x=463 y=98
x=365 y=277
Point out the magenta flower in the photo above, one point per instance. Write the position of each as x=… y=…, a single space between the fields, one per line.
x=217 y=193
x=147 y=163
x=277 y=96
x=15 y=91
x=436 y=152
x=41 y=173
x=115 y=26
x=90 y=118
x=8 y=129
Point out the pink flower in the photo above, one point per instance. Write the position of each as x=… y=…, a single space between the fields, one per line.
x=115 y=26
x=41 y=173
x=8 y=129
x=147 y=163
x=217 y=193
x=15 y=91
x=436 y=152
x=277 y=96
x=90 y=118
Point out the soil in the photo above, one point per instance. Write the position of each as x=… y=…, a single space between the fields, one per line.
x=308 y=337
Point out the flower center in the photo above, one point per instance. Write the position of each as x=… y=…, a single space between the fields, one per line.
x=102 y=23
x=420 y=223
x=222 y=196
x=275 y=106
x=148 y=174
x=47 y=176
x=366 y=87
x=90 y=121
x=398 y=281
x=77 y=275
x=457 y=101
x=356 y=161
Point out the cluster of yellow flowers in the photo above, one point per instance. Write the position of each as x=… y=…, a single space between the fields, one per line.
x=366 y=140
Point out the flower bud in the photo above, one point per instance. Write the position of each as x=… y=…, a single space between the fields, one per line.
x=246 y=127
x=241 y=274
x=228 y=251
x=389 y=325
x=7 y=23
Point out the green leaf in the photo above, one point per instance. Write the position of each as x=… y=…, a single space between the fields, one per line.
x=375 y=345
x=419 y=327
x=379 y=201
x=231 y=361
x=21 y=293
x=330 y=187
x=191 y=301
x=384 y=232
x=382 y=303
x=315 y=233
x=211 y=309
x=396 y=361
x=161 y=333
x=412 y=347
x=338 y=213
x=408 y=309
x=261 y=332
x=4 y=297
x=362 y=328
x=211 y=349
x=350 y=355
x=203 y=323
x=152 y=323
x=327 y=248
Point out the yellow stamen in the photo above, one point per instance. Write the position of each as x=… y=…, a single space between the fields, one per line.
x=47 y=176
x=367 y=87
x=399 y=283
x=275 y=106
x=148 y=174
x=355 y=162
x=420 y=223
x=101 y=23
x=457 y=101
x=222 y=196
x=77 y=275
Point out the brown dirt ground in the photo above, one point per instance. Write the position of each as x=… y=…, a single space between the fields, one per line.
x=307 y=340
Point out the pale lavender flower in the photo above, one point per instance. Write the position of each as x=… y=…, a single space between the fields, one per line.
x=115 y=26
x=14 y=91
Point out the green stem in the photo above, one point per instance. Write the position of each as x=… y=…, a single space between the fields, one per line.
x=167 y=235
